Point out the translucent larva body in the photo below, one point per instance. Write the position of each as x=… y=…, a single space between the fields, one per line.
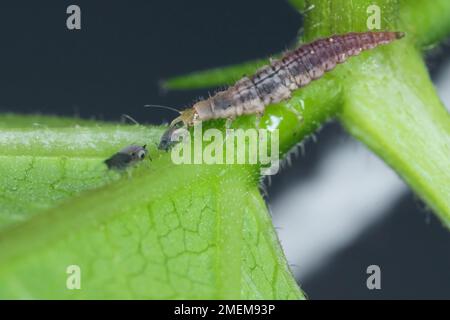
x=276 y=82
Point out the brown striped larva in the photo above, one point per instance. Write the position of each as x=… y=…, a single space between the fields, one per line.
x=276 y=82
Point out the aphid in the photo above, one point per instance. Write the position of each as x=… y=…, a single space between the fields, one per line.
x=126 y=157
x=276 y=82
x=166 y=139
x=166 y=143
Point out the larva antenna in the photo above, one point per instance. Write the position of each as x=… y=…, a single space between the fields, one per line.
x=126 y=116
x=187 y=116
x=162 y=107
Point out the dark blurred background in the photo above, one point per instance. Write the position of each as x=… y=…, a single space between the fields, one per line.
x=113 y=66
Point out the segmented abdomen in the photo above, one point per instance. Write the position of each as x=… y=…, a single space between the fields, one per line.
x=276 y=82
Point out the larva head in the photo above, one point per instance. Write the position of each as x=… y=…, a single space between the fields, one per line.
x=187 y=117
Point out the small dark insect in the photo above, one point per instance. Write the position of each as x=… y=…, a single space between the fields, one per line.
x=126 y=157
x=166 y=142
x=277 y=81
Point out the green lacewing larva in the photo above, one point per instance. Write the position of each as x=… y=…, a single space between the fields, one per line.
x=277 y=81
x=126 y=157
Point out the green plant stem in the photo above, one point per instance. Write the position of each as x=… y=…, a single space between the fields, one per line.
x=389 y=101
x=391 y=106
x=427 y=22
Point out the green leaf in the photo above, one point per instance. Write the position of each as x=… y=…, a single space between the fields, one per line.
x=298 y=4
x=389 y=101
x=11 y=120
x=45 y=160
x=196 y=231
x=213 y=77
x=392 y=106
x=427 y=22
x=161 y=231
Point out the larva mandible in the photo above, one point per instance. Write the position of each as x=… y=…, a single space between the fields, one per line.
x=276 y=82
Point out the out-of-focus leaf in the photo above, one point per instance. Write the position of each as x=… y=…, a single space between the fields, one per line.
x=213 y=77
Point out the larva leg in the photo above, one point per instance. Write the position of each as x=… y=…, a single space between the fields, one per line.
x=295 y=111
x=258 y=117
x=228 y=123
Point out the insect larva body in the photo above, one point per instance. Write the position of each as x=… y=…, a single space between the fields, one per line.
x=276 y=82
